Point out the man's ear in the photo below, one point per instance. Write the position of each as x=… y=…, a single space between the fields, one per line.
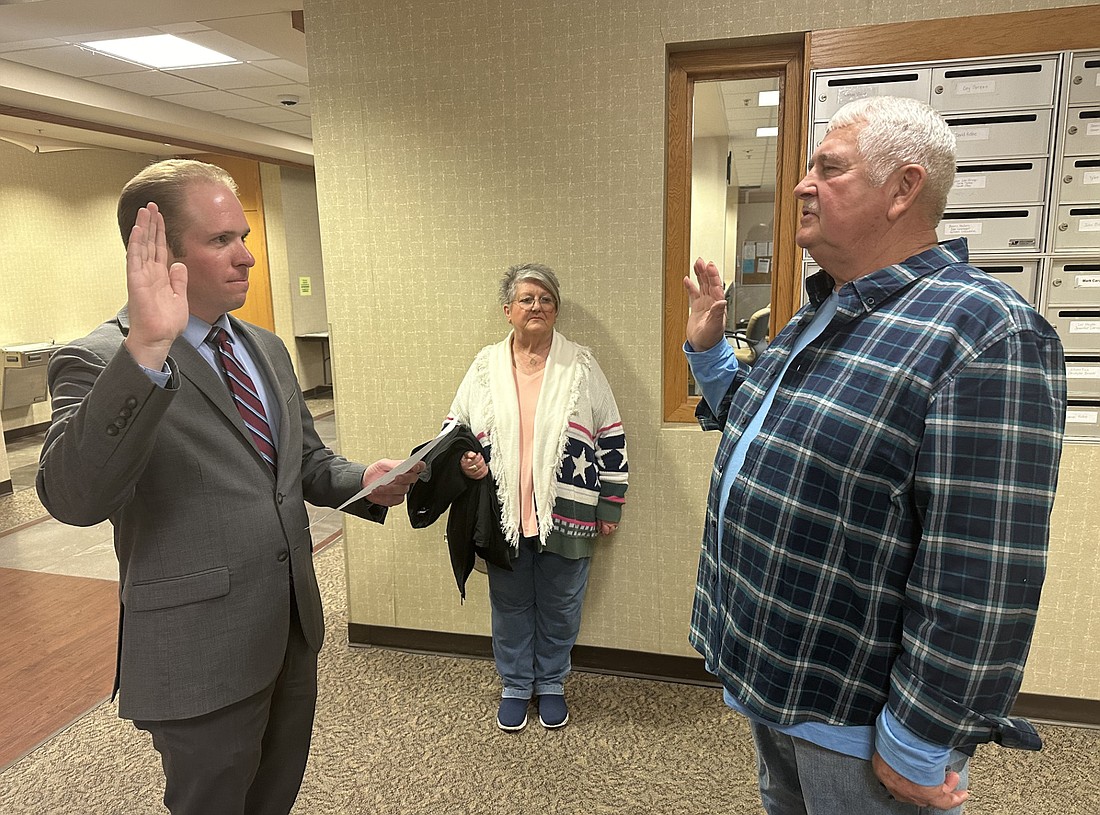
x=908 y=184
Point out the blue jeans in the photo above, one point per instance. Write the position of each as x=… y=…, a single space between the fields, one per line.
x=798 y=777
x=536 y=618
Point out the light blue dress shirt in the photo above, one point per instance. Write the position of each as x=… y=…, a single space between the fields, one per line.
x=196 y=333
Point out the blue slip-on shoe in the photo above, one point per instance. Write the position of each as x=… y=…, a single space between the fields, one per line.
x=512 y=714
x=553 y=712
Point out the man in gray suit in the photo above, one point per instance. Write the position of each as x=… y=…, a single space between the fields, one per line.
x=202 y=456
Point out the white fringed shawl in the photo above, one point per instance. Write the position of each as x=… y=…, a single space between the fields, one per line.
x=488 y=402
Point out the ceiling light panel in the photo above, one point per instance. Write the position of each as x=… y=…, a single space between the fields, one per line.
x=161 y=51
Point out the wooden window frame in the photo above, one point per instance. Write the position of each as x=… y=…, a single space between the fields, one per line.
x=785 y=59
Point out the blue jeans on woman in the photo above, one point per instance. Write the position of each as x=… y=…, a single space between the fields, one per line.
x=536 y=617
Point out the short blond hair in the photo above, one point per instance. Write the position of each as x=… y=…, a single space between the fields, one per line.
x=165 y=183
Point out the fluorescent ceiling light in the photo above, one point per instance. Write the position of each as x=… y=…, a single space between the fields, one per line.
x=769 y=99
x=764 y=132
x=161 y=51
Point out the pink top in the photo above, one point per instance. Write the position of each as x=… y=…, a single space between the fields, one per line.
x=528 y=387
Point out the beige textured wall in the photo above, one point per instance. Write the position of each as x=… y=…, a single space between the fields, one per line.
x=63 y=268
x=293 y=244
x=276 y=226
x=455 y=139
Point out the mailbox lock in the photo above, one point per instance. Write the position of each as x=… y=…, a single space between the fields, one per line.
x=1056 y=282
x=1063 y=227
x=938 y=89
x=1072 y=130
x=822 y=98
x=1077 y=80
x=1067 y=179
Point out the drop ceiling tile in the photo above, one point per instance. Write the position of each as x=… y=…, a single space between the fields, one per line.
x=27 y=44
x=285 y=68
x=270 y=96
x=119 y=34
x=230 y=77
x=181 y=28
x=72 y=61
x=214 y=101
x=225 y=44
x=301 y=128
x=263 y=116
x=149 y=83
x=302 y=109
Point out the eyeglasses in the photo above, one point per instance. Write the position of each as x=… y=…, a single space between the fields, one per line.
x=528 y=302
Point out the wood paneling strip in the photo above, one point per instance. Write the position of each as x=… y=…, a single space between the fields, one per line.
x=987 y=35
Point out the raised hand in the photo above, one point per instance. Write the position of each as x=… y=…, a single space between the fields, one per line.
x=706 y=325
x=156 y=293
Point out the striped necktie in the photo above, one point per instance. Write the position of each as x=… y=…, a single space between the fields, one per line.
x=245 y=395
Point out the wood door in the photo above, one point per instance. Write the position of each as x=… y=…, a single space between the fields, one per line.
x=257 y=309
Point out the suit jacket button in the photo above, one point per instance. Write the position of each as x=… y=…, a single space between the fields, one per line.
x=120 y=423
x=279 y=498
x=112 y=430
x=126 y=413
x=131 y=402
x=283 y=556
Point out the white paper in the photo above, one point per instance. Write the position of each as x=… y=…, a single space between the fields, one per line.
x=403 y=467
x=976 y=86
x=953 y=228
x=971 y=133
x=1082 y=371
x=1082 y=416
x=969 y=182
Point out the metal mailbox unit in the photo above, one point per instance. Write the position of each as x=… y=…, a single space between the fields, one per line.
x=1010 y=135
x=998 y=201
x=1072 y=296
x=1027 y=189
x=1019 y=274
x=24 y=381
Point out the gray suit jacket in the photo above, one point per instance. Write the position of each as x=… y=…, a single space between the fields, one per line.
x=210 y=544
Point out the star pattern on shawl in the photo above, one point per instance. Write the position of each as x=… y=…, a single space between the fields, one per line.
x=614 y=459
x=581 y=465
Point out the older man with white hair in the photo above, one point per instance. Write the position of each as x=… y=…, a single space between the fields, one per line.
x=879 y=509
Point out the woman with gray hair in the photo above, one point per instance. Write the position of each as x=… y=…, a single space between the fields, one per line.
x=553 y=442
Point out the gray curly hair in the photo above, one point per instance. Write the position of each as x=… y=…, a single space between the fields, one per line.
x=536 y=273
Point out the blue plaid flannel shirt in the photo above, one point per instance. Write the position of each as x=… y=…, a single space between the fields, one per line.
x=885 y=541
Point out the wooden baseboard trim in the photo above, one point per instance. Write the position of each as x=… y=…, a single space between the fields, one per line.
x=6 y=487
x=319 y=391
x=616 y=661
x=29 y=430
x=1058 y=710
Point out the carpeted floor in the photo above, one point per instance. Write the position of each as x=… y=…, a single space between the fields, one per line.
x=405 y=734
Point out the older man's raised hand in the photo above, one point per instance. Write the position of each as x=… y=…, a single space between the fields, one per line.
x=706 y=325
